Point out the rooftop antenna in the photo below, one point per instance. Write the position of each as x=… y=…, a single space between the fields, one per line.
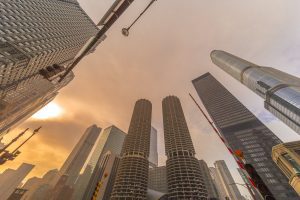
x=125 y=31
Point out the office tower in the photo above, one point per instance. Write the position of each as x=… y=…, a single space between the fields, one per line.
x=153 y=155
x=222 y=194
x=82 y=182
x=10 y=179
x=158 y=179
x=183 y=170
x=38 y=39
x=281 y=91
x=241 y=130
x=17 y=194
x=75 y=161
x=111 y=139
x=249 y=185
x=132 y=175
x=106 y=177
x=287 y=158
x=212 y=193
x=227 y=181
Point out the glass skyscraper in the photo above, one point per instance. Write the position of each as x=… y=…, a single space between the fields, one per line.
x=184 y=176
x=281 y=91
x=111 y=140
x=243 y=131
x=38 y=39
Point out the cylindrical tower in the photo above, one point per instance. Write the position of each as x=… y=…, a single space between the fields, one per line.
x=132 y=174
x=183 y=170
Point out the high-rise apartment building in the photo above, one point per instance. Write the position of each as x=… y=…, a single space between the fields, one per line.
x=111 y=139
x=281 y=91
x=132 y=176
x=10 y=179
x=241 y=130
x=158 y=179
x=183 y=171
x=153 y=155
x=38 y=39
x=227 y=181
x=212 y=193
x=75 y=161
x=287 y=158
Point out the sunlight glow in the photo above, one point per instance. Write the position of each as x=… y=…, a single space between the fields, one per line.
x=52 y=110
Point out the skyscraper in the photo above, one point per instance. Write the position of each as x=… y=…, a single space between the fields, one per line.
x=243 y=131
x=209 y=184
x=132 y=175
x=227 y=181
x=103 y=189
x=281 y=91
x=38 y=39
x=222 y=194
x=183 y=170
x=10 y=179
x=153 y=155
x=75 y=161
x=111 y=139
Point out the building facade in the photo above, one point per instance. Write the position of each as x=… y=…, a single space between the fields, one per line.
x=222 y=194
x=287 y=158
x=183 y=171
x=17 y=194
x=227 y=180
x=111 y=140
x=158 y=179
x=241 y=130
x=132 y=176
x=281 y=91
x=75 y=161
x=249 y=185
x=38 y=39
x=103 y=189
x=153 y=156
x=212 y=193
x=10 y=179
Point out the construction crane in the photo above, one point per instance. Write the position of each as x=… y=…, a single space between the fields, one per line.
x=6 y=155
x=112 y=15
x=125 y=31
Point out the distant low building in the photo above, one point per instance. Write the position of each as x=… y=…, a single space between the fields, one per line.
x=158 y=179
x=17 y=194
x=287 y=157
x=10 y=179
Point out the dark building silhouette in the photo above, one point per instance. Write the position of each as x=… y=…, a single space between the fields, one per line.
x=243 y=131
x=132 y=173
x=183 y=170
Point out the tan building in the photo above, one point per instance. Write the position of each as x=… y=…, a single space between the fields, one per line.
x=287 y=157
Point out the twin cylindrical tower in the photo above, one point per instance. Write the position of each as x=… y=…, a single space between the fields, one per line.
x=183 y=170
